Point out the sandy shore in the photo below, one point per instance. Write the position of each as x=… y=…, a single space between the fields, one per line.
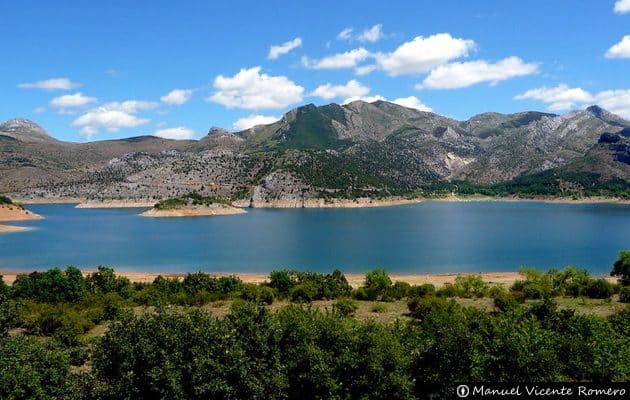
x=330 y=203
x=116 y=204
x=15 y=213
x=194 y=211
x=354 y=279
x=13 y=229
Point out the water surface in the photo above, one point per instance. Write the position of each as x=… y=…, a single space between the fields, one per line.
x=431 y=237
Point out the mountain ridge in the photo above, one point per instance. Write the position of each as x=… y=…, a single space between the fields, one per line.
x=372 y=149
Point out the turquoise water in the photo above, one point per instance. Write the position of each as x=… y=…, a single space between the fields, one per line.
x=430 y=237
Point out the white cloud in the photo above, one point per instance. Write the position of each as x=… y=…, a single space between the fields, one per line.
x=40 y=110
x=113 y=117
x=253 y=120
x=460 y=75
x=622 y=6
x=561 y=97
x=349 y=59
x=615 y=101
x=177 y=97
x=345 y=34
x=50 y=84
x=422 y=54
x=276 y=51
x=372 y=34
x=352 y=88
x=178 y=133
x=72 y=101
x=365 y=69
x=131 y=106
x=412 y=102
x=621 y=49
x=250 y=89
x=367 y=99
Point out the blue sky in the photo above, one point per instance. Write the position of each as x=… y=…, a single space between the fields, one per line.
x=102 y=70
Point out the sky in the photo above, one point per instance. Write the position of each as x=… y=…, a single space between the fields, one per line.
x=105 y=70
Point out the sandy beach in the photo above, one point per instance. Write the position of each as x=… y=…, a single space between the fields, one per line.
x=362 y=202
x=15 y=213
x=355 y=280
x=194 y=211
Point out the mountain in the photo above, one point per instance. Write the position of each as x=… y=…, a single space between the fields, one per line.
x=351 y=150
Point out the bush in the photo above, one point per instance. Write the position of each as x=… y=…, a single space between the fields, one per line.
x=52 y=286
x=599 y=289
x=345 y=307
x=398 y=290
x=104 y=281
x=257 y=293
x=305 y=292
x=621 y=268
x=504 y=301
x=377 y=280
x=420 y=307
x=470 y=286
x=283 y=281
x=426 y=289
x=447 y=290
x=624 y=294
x=378 y=307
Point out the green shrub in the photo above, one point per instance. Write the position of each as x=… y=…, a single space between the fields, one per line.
x=305 y=292
x=378 y=307
x=621 y=268
x=426 y=289
x=470 y=286
x=504 y=300
x=257 y=293
x=398 y=290
x=624 y=294
x=105 y=281
x=345 y=307
x=447 y=290
x=599 y=289
x=420 y=307
x=377 y=280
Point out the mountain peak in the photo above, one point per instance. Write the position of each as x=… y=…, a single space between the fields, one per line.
x=24 y=130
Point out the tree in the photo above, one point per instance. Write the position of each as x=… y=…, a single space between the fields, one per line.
x=377 y=282
x=104 y=281
x=621 y=268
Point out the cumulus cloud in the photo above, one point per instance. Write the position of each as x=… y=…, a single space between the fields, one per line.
x=464 y=74
x=251 y=89
x=615 y=101
x=276 y=51
x=72 y=101
x=622 y=6
x=422 y=54
x=345 y=34
x=561 y=97
x=352 y=88
x=621 y=49
x=367 y=99
x=177 y=97
x=50 y=84
x=365 y=69
x=253 y=120
x=177 y=133
x=372 y=34
x=349 y=59
x=113 y=117
x=412 y=102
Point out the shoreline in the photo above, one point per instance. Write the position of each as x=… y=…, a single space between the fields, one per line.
x=364 y=202
x=201 y=211
x=14 y=229
x=354 y=279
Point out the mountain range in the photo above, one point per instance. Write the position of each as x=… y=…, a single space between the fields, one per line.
x=333 y=151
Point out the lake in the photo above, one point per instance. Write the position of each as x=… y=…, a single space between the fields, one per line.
x=430 y=237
